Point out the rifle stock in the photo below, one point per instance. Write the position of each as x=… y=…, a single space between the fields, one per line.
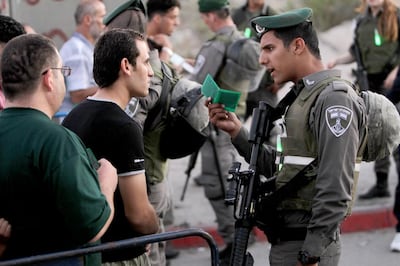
x=243 y=192
x=191 y=165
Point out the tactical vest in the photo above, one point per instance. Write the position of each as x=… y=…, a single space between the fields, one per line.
x=242 y=16
x=230 y=80
x=376 y=59
x=299 y=148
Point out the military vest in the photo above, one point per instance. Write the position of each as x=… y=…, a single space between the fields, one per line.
x=299 y=148
x=225 y=81
x=376 y=58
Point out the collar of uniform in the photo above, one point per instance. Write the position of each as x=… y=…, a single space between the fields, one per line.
x=298 y=87
x=368 y=14
x=226 y=29
x=311 y=80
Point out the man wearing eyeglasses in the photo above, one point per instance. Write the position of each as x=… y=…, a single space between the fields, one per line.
x=50 y=191
x=324 y=124
x=77 y=52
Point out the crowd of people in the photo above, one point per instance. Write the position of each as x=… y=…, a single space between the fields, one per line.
x=97 y=175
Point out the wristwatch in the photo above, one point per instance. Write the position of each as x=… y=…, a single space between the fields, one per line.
x=305 y=258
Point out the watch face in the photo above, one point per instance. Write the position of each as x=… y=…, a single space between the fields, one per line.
x=305 y=258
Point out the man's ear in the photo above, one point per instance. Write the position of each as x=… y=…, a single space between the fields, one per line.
x=298 y=46
x=47 y=80
x=125 y=66
x=156 y=18
x=87 y=19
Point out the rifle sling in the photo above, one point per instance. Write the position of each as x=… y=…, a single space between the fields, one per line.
x=297 y=182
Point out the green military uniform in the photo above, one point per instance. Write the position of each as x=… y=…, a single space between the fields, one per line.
x=210 y=60
x=216 y=163
x=324 y=124
x=378 y=59
x=242 y=16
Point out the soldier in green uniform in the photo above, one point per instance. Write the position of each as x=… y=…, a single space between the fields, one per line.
x=376 y=36
x=324 y=125
x=218 y=153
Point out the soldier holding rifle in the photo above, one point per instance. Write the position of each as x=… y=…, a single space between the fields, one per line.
x=324 y=125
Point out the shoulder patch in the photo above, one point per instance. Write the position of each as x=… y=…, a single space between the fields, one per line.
x=200 y=61
x=338 y=119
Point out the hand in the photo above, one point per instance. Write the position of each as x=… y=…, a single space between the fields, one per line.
x=5 y=233
x=148 y=249
x=163 y=40
x=223 y=119
x=190 y=61
x=388 y=82
x=108 y=177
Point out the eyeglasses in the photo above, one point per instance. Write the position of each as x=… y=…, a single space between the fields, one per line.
x=65 y=70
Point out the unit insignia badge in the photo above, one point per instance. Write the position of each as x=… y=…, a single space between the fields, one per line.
x=338 y=119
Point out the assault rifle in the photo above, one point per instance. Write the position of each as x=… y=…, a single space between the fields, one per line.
x=360 y=73
x=243 y=187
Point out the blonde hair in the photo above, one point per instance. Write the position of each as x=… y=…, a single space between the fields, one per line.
x=388 y=25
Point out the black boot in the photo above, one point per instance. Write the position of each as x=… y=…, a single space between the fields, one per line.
x=380 y=190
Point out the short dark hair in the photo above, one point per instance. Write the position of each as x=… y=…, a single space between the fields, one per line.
x=222 y=13
x=161 y=6
x=113 y=46
x=9 y=28
x=304 y=30
x=23 y=61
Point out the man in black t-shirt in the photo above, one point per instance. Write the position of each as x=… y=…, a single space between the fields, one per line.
x=105 y=128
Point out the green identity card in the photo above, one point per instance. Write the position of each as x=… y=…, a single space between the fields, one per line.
x=228 y=98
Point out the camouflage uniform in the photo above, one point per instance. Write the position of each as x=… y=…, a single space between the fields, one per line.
x=209 y=61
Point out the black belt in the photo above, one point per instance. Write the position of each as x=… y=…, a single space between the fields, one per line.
x=291 y=234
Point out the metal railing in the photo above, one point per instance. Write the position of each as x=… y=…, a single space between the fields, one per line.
x=132 y=242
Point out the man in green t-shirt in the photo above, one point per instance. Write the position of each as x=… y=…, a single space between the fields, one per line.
x=50 y=191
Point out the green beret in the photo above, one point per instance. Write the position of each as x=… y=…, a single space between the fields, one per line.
x=263 y=24
x=211 y=5
x=128 y=5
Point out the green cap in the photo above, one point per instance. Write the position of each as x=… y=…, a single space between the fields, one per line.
x=294 y=17
x=128 y=5
x=212 y=5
